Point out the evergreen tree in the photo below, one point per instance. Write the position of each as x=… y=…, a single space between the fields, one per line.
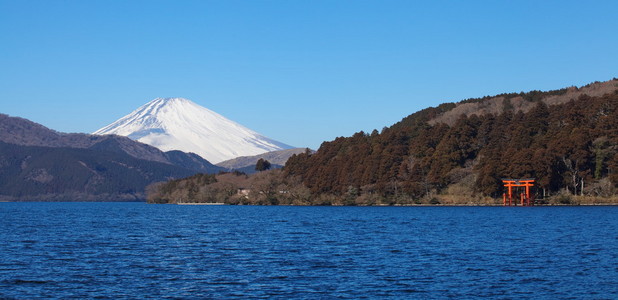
x=262 y=165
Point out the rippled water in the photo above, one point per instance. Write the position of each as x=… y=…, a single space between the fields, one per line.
x=136 y=250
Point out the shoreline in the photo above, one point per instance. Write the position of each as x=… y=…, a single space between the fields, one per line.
x=403 y=205
x=199 y=203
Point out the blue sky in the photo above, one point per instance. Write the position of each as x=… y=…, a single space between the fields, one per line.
x=301 y=72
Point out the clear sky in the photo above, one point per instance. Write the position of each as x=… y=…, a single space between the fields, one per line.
x=301 y=72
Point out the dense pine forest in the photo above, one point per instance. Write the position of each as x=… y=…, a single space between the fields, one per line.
x=456 y=153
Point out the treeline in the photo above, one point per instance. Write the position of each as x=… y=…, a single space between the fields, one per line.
x=270 y=187
x=569 y=148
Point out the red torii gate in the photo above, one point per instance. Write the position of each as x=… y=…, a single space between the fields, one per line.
x=526 y=198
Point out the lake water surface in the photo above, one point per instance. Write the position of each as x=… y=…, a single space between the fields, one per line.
x=136 y=250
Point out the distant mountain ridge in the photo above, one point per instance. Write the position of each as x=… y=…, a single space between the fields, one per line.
x=246 y=164
x=180 y=124
x=37 y=163
x=35 y=173
x=19 y=131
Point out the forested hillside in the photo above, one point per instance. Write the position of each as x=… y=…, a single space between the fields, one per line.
x=32 y=173
x=569 y=146
x=39 y=164
x=566 y=139
x=19 y=131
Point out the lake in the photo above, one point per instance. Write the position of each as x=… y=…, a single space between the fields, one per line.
x=137 y=250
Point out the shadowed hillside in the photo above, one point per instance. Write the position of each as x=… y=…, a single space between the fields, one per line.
x=32 y=173
x=39 y=164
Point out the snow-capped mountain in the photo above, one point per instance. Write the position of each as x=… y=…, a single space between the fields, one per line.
x=180 y=124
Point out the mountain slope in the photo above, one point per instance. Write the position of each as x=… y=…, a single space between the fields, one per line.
x=19 y=131
x=247 y=163
x=522 y=101
x=192 y=161
x=568 y=144
x=180 y=124
x=39 y=164
x=35 y=173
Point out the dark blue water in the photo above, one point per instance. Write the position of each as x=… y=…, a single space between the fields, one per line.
x=135 y=250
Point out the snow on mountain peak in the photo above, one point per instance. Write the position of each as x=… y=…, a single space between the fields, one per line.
x=181 y=124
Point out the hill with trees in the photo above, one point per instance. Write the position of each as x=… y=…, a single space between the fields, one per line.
x=33 y=173
x=39 y=164
x=457 y=153
x=19 y=131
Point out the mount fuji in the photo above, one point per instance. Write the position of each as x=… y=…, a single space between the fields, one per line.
x=180 y=124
